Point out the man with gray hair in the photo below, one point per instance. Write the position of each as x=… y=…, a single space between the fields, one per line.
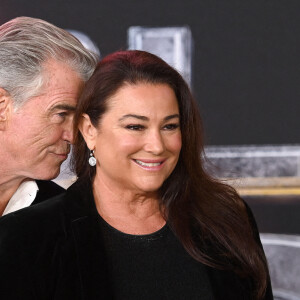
x=42 y=71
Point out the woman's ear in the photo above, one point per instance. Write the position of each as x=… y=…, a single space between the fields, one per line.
x=88 y=131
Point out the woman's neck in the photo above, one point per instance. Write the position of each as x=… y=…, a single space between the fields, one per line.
x=126 y=210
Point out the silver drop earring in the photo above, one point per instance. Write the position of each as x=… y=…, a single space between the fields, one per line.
x=92 y=159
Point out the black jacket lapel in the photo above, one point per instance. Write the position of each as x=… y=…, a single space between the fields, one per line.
x=91 y=259
x=88 y=242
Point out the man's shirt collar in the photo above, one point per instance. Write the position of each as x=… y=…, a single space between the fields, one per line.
x=23 y=196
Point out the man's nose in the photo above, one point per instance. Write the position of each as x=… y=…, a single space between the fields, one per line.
x=68 y=132
x=154 y=143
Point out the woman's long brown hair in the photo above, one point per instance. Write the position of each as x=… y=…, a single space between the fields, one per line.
x=209 y=218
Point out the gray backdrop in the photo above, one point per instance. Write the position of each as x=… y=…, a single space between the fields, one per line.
x=246 y=55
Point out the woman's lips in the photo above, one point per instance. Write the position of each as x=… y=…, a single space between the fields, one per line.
x=148 y=164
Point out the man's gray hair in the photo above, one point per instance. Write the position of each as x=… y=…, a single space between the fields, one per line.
x=26 y=44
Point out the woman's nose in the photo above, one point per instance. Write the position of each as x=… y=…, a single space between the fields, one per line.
x=154 y=143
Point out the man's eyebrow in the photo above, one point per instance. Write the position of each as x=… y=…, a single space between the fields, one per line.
x=143 y=118
x=66 y=107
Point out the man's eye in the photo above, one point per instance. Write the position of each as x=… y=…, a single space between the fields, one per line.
x=60 y=117
x=171 y=126
x=62 y=114
x=134 y=127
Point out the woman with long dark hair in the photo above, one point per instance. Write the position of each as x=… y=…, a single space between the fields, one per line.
x=208 y=217
x=144 y=219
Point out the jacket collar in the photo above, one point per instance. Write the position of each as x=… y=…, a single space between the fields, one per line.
x=87 y=237
x=80 y=200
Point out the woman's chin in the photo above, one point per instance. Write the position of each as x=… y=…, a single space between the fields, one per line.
x=149 y=188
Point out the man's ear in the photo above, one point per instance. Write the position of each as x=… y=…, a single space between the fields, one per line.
x=88 y=131
x=6 y=108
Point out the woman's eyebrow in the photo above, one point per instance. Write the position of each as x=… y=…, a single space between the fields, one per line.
x=143 y=118
x=134 y=116
x=171 y=117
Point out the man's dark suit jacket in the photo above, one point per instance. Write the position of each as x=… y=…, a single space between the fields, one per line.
x=47 y=189
x=54 y=250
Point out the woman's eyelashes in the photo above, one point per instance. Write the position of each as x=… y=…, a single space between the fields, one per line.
x=140 y=127
x=172 y=126
x=136 y=127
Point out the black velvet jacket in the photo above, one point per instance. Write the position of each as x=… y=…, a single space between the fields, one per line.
x=47 y=189
x=54 y=250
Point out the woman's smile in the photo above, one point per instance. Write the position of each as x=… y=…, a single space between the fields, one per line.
x=150 y=165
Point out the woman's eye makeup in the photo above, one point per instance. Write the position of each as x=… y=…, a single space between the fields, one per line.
x=171 y=126
x=139 y=127
x=136 y=127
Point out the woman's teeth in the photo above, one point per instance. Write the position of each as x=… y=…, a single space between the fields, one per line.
x=147 y=164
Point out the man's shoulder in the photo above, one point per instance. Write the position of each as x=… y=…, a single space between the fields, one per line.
x=47 y=189
x=35 y=220
x=30 y=240
x=50 y=185
x=52 y=217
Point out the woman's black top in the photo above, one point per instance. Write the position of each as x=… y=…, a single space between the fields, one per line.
x=55 y=250
x=153 y=266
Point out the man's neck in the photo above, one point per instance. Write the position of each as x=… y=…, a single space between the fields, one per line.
x=7 y=190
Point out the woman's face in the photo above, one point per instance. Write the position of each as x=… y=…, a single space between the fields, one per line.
x=138 y=140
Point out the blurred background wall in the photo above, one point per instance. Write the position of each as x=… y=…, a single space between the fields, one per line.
x=246 y=55
x=246 y=79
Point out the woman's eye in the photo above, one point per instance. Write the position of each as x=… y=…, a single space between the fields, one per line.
x=171 y=126
x=134 y=127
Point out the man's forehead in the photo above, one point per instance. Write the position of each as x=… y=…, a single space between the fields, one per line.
x=40 y=106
